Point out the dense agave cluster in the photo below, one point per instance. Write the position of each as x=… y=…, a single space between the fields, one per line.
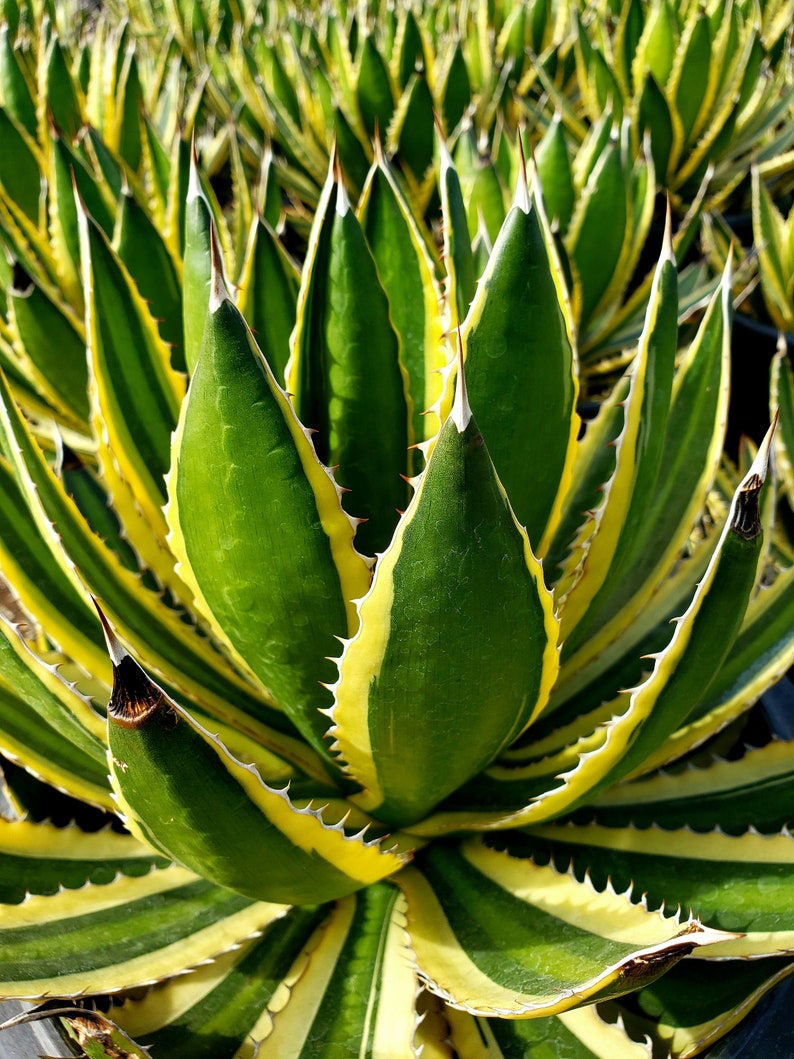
x=353 y=677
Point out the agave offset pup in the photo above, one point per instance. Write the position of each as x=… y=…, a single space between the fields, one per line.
x=386 y=742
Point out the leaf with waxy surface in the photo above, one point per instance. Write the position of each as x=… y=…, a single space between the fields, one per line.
x=739 y=883
x=406 y=271
x=42 y=858
x=459 y=572
x=461 y=281
x=511 y=378
x=352 y=359
x=135 y=398
x=291 y=539
x=219 y=1005
x=689 y=1010
x=755 y=791
x=197 y=266
x=559 y=942
x=181 y=652
x=181 y=790
x=580 y=1033
x=662 y=472
x=49 y=725
x=79 y=941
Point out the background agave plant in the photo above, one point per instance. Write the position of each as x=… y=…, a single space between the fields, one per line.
x=416 y=761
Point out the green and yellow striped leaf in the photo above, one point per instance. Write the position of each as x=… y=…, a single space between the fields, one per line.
x=461 y=552
x=460 y=279
x=237 y=430
x=648 y=548
x=407 y=273
x=41 y=585
x=79 y=941
x=639 y=458
x=180 y=789
x=269 y=283
x=737 y=883
x=755 y=791
x=146 y=255
x=48 y=725
x=215 y=1008
x=362 y=956
x=173 y=647
x=515 y=319
x=580 y=1033
x=135 y=397
x=498 y=935
x=781 y=399
x=762 y=653
x=345 y=348
x=687 y=1010
x=49 y=343
x=197 y=265
x=42 y=858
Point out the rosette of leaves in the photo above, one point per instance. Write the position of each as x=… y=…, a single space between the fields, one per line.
x=709 y=86
x=310 y=77
x=353 y=720
x=601 y=200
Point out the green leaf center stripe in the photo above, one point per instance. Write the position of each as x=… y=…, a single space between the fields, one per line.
x=514 y=320
x=639 y=452
x=502 y=938
x=733 y=883
x=137 y=394
x=177 y=920
x=187 y=659
x=370 y=997
x=235 y=822
x=292 y=540
x=413 y=666
x=221 y=1003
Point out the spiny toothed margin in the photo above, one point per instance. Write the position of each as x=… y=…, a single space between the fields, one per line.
x=79 y=709
x=451 y=372
x=710 y=777
x=579 y=551
x=145 y=520
x=187 y=949
x=435 y=339
x=619 y=919
x=357 y=768
x=695 y=844
x=388 y=847
x=557 y=270
x=342 y=550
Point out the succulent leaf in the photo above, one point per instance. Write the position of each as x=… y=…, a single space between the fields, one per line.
x=407 y=272
x=180 y=919
x=736 y=882
x=352 y=358
x=460 y=550
x=234 y=829
x=464 y=905
x=233 y=398
x=514 y=319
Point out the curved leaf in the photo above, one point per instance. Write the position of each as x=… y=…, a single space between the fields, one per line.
x=500 y=936
x=237 y=430
x=459 y=551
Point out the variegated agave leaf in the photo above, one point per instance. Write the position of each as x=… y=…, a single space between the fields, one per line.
x=411 y=718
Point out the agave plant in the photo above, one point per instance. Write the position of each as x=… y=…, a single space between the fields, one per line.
x=709 y=86
x=375 y=779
